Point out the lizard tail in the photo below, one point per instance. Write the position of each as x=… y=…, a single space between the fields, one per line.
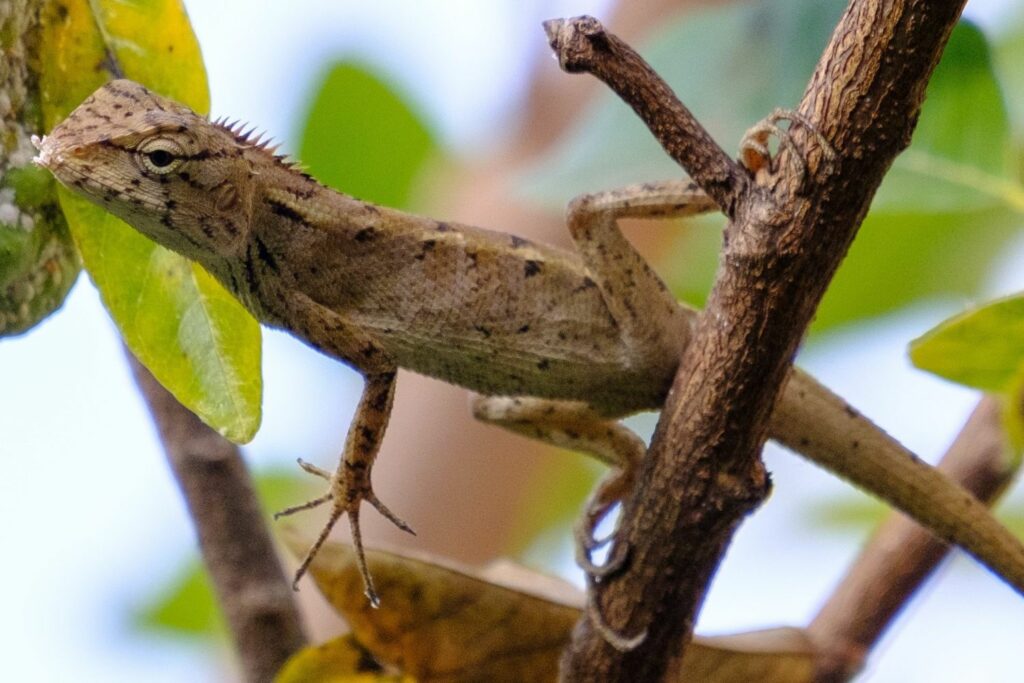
x=822 y=427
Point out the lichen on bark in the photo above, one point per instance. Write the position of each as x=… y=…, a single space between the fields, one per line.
x=38 y=261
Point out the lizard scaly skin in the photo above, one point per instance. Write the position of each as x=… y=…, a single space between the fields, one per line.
x=591 y=336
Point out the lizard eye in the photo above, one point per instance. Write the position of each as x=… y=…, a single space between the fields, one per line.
x=160 y=155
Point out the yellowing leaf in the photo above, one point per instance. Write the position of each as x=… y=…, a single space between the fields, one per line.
x=779 y=655
x=342 y=660
x=195 y=338
x=438 y=622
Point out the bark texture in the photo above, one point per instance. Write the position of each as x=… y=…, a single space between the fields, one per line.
x=239 y=555
x=790 y=227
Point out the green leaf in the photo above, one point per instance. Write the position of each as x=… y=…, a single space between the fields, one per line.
x=186 y=607
x=942 y=215
x=363 y=138
x=194 y=337
x=279 y=488
x=982 y=347
x=961 y=157
x=855 y=513
x=1009 y=59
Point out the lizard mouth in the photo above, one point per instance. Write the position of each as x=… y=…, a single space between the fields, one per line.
x=45 y=156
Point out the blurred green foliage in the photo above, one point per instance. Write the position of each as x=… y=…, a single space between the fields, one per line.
x=943 y=214
x=362 y=137
x=185 y=606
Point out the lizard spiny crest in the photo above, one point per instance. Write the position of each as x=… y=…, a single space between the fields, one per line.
x=178 y=178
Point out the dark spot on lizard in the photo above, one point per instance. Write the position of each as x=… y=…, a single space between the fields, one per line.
x=285 y=211
x=380 y=402
x=367 y=433
x=486 y=332
x=442 y=226
x=518 y=242
x=523 y=330
x=532 y=267
x=369 y=351
x=428 y=246
x=264 y=253
x=588 y=283
x=366 y=234
x=170 y=204
x=62 y=12
x=850 y=410
x=544 y=364
x=135 y=182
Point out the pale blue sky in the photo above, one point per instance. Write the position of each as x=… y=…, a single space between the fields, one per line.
x=92 y=520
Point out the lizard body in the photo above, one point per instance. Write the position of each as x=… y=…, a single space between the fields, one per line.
x=559 y=343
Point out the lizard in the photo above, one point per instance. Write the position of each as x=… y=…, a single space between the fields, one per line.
x=557 y=344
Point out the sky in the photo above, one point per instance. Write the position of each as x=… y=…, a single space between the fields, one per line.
x=92 y=520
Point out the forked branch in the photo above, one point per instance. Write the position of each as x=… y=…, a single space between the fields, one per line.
x=787 y=234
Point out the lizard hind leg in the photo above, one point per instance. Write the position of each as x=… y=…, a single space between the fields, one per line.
x=577 y=426
x=350 y=484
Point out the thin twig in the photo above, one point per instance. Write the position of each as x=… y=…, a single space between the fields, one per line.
x=582 y=44
x=236 y=546
x=901 y=555
x=788 y=233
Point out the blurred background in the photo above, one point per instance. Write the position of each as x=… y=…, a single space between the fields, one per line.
x=456 y=109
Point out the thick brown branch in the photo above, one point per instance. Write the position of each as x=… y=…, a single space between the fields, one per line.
x=236 y=545
x=582 y=44
x=902 y=555
x=787 y=236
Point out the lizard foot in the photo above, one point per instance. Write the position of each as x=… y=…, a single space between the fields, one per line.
x=346 y=492
x=608 y=494
x=611 y=636
x=754 y=151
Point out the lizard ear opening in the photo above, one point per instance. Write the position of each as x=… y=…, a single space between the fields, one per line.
x=160 y=155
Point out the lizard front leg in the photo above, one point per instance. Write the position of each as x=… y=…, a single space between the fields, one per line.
x=350 y=482
x=350 y=485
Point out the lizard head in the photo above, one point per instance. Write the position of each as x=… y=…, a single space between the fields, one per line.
x=173 y=175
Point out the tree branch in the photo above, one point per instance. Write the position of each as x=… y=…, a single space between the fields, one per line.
x=233 y=537
x=901 y=554
x=787 y=235
x=582 y=44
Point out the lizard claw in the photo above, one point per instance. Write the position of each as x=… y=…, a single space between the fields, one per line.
x=608 y=494
x=754 y=150
x=346 y=492
x=611 y=636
